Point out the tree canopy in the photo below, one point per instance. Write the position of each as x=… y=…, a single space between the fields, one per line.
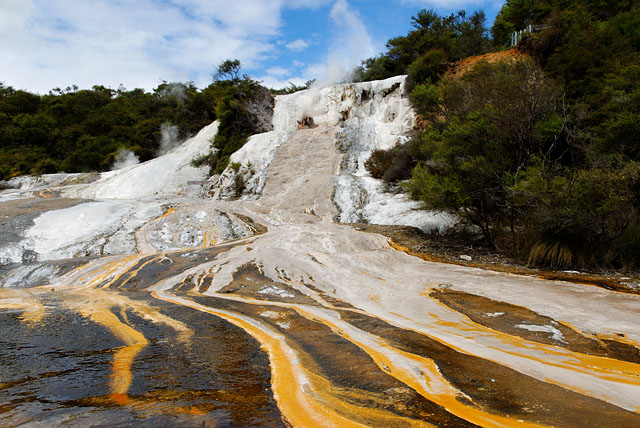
x=434 y=42
x=76 y=130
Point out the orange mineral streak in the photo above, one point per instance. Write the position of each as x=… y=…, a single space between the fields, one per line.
x=376 y=417
x=134 y=273
x=364 y=272
x=206 y=242
x=602 y=367
x=46 y=194
x=122 y=376
x=607 y=369
x=33 y=314
x=78 y=269
x=433 y=386
x=291 y=383
x=429 y=382
x=617 y=338
x=99 y=306
x=166 y=214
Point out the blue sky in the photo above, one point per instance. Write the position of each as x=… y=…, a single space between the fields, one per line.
x=140 y=43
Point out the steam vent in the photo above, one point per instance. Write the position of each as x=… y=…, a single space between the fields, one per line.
x=152 y=296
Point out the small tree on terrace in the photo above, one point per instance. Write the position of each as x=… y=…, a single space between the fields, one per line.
x=228 y=70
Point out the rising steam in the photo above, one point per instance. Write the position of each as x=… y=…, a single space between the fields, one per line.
x=175 y=90
x=125 y=158
x=169 y=138
x=351 y=44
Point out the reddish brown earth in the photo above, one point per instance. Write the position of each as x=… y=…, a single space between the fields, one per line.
x=459 y=68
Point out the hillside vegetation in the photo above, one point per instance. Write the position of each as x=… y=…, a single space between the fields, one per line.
x=74 y=130
x=540 y=154
x=83 y=130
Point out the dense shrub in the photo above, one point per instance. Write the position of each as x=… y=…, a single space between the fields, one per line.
x=487 y=127
x=541 y=155
x=580 y=215
x=427 y=68
x=391 y=165
x=378 y=162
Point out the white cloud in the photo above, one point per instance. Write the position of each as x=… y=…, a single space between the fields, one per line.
x=278 y=83
x=299 y=75
x=242 y=17
x=350 y=43
x=447 y=4
x=13 y=15
x=297 y=45
x=47 y=44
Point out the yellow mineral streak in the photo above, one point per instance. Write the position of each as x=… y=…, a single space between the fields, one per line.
x=433 y=386
x=34 y=313
x=32 y=309
x=206 y=242
x=141 y=242
x=185 y=333
x=134 y=273
x=99 y=307
x=98 y=271
x=618 y=338
x=429 y=382
x=291 y=383
x=606 y=369
x=113 y=270
x=107 y=300
x=165 y=215
x=340 y=400
x=121 y=372
x=364 y=272
x=76 y=270
x=437 y=389
x=374 y=298
x=602 y=367
x=135 y=341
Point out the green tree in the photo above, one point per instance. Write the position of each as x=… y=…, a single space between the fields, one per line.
x=434 y=42
x=228 y=70
x=516 y=15
x=488 y=126
x=233 y=100
x=49 y=133
x=579 y=215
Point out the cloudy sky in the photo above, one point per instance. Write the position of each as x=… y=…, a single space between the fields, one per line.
x=139 y=43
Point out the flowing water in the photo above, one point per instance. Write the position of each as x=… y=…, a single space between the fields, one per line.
x=160 y=308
